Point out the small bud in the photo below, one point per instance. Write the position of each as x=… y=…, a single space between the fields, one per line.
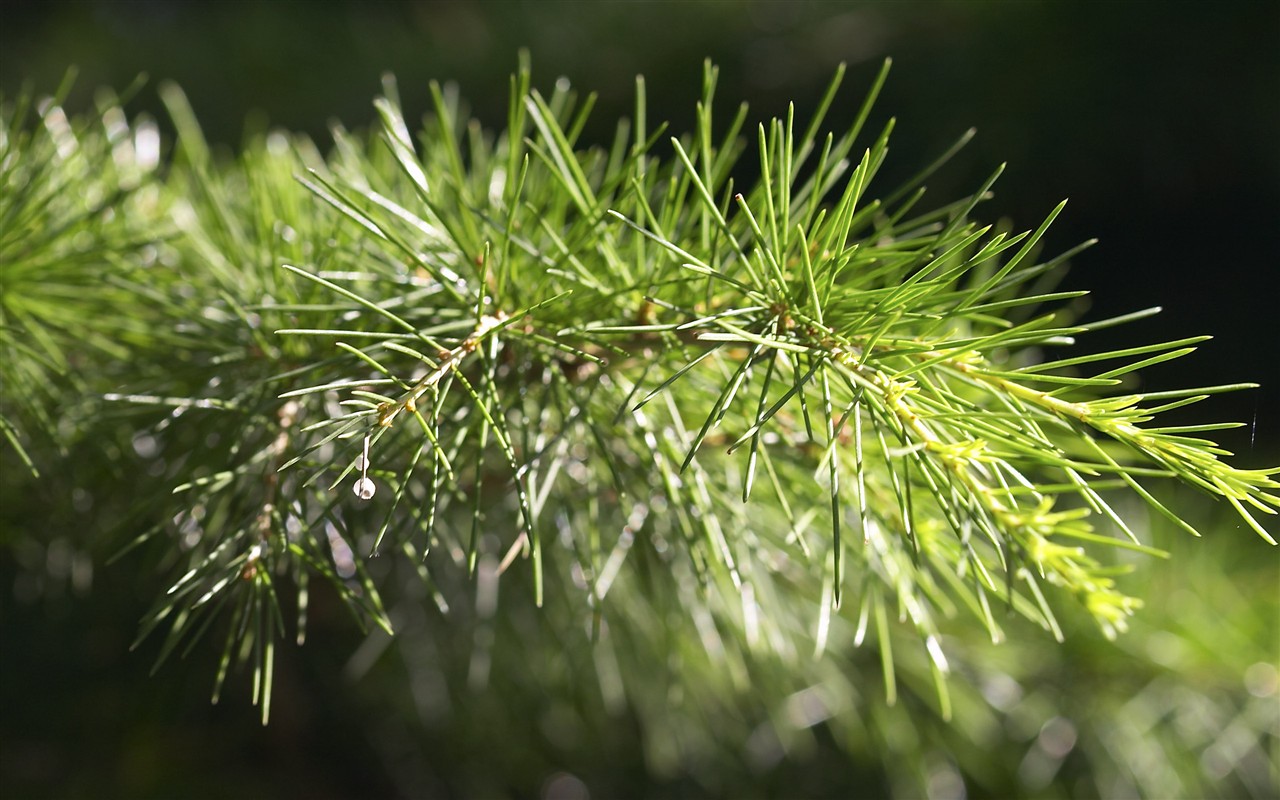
x=364 y=488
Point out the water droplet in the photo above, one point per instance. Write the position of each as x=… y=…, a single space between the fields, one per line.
x=364 y=488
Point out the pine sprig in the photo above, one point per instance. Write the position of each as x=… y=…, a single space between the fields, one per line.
x=77 y=209
x=611 y=326
x=713 y=378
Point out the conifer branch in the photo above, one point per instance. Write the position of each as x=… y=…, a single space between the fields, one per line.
x=880 y=355
x=776 y=410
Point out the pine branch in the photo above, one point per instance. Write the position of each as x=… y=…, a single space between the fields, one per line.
x=874 y=363
x=779 y=411
x=75 y=208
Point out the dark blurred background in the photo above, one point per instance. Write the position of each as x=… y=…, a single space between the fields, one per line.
x=1160 y=121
